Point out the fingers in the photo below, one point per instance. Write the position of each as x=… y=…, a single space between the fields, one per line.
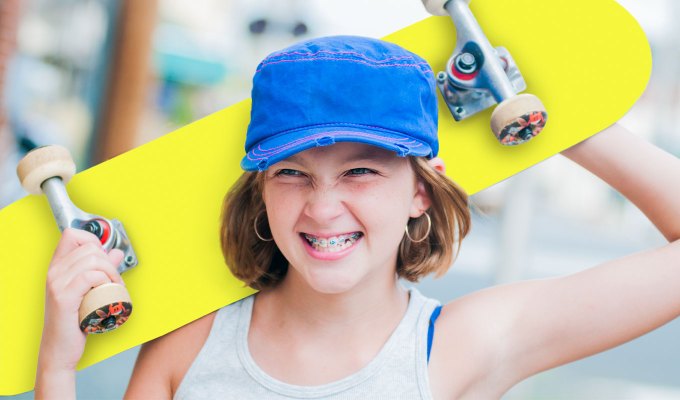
x=81 y=263
x=84 y=250
x=93 y=261
x=68 y=294
x=87 y=280
x=66 y=289
x=72 y=239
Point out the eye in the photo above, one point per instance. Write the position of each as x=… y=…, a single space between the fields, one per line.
x=359 y=171
x=288 y=172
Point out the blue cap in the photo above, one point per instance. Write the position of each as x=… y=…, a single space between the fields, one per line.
x=341 y=89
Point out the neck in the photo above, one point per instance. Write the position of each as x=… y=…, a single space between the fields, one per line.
x=299 y=323
x=372 y=302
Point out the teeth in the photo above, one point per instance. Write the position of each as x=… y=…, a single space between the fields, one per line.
x=333 y=244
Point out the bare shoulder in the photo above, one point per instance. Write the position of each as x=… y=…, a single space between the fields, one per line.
x=163 y=362
x=470 y=345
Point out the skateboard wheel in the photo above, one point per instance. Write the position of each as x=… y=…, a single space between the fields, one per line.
x=104 y=308
x=518 y=119
x=43 y=163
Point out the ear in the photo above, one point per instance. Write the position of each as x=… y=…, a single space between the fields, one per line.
x=421 y=201
x=438 y=165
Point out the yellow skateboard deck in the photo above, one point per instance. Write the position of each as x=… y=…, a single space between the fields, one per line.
x=588 y=60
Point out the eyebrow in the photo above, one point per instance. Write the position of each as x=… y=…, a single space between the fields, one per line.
x=372 y=154
x=294 y=159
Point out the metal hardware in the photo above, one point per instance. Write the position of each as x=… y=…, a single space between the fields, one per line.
x=477 y=75
x=110 y=232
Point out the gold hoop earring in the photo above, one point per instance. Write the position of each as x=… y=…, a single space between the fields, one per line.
x=255 y=228
x=429 y=228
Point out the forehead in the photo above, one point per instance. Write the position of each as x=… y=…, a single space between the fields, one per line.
x=345 y=152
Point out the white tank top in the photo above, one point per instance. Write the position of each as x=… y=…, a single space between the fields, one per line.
x=224 y=368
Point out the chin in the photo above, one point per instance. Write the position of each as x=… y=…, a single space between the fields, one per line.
x=331 y=283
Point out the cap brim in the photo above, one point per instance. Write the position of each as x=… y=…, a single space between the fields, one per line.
x=280 y=147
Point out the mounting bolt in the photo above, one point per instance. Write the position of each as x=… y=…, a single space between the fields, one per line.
x=526 y=133
x=466 y=63
x=109 y=322
x=94 y=228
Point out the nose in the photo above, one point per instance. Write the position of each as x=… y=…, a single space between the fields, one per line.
x=324 y=204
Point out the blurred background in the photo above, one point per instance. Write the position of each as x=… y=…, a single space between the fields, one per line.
x=104 y=76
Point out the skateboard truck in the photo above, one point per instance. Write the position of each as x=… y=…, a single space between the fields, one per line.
x=478 y=76
x=46 y=170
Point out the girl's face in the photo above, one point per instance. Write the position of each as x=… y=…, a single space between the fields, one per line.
x=338 y=213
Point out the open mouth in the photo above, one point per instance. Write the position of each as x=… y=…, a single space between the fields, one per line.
x=332 y=244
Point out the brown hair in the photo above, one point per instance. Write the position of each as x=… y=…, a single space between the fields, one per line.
x=260 y=264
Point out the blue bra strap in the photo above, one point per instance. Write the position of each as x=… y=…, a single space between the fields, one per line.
x=430 y=330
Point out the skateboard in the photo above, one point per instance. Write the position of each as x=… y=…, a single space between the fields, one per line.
x=477 y=76
x=588 y=60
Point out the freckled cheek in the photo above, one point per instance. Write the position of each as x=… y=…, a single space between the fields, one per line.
x=283 y=210
x=383 y=215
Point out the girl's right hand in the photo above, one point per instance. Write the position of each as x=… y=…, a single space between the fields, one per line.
x=78 y=265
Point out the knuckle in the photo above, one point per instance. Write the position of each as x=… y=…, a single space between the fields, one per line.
x=52 y=275
x=91 y=237
x=68 y=233
x=72 y=234
x=60 y=297
x=92 y=260
x=52 y=291
x=89 y=279
x=93 y=247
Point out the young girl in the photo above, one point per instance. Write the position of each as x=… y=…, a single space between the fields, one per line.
x=343 y=195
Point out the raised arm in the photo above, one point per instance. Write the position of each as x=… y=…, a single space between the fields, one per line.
x=520 y=329
x=564 y=319
x=643 y=173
